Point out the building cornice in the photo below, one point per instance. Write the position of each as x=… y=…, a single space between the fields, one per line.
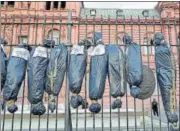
x=166 y=5
x=98 y=21
x=134 y=21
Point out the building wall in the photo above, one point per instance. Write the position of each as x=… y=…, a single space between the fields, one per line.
x=11 y=30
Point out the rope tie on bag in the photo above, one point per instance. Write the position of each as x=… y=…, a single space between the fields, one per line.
x=10 y=103
x=53 y=76
x=52 y=100
x=94 y=101
x=172 y=97
x=172 y=104
x=73 y=94
x=172 y=91
x=51 y=96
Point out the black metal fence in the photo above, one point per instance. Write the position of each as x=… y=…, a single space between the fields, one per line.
x=134 y=115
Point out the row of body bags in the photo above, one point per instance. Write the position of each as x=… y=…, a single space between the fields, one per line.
x=46 y=66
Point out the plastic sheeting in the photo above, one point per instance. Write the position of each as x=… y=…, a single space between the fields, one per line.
x=77 y=69
x=16 y=71
x=116 y=73
x=134 y=69
x=55 y=73
x=37 y=66
x=164 y=69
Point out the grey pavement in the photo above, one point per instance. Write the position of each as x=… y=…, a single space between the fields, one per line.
x=79 y=121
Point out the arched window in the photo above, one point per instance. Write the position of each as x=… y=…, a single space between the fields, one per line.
x=23 y=39
x=54 y=35
x=148 y=48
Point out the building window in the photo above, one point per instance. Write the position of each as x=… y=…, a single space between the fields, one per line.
x=2 y=3
x=23 y=39
x=63 y=5
x=145 y=13
x=119 y=12
x=54 y=35
x=55 y=5
x=11 y=3
x=148 y=48
x=48 y=5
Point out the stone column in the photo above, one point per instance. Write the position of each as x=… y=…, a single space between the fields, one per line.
x=25 y=4
x=16 y=4
x=5 y=4
x=33 y=5
x=52 y=5
x=59 y=5
x=42 y=5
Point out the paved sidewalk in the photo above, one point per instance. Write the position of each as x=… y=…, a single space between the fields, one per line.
x=80 y=122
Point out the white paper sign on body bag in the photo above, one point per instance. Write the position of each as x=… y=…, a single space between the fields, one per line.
x=21 y=53
x=97 y=50
x=41 y=51
x=77 y=50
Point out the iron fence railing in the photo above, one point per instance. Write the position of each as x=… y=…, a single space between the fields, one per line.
x=134 y=115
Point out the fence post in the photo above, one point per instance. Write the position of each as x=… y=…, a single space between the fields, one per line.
x=68 y=122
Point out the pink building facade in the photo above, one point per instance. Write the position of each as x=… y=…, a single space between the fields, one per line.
x=32 y=22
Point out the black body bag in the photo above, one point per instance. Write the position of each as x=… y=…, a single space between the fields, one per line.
x=77 y=70
x=116 y=72
x=16 y=71
x=3 y=62
x=165 y=74
x=98 y=73
x=37 y=66
x=134 y=68
x=55 y=73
